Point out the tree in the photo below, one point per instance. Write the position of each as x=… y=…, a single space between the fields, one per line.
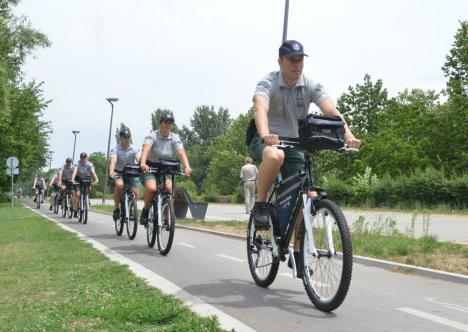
x=207 y=124
x=363 y=105
x=24 y=134
x=98 y=159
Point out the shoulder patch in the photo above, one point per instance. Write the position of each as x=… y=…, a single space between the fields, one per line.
x=265 y=84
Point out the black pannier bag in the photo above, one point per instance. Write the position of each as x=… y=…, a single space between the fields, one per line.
x=321 y=132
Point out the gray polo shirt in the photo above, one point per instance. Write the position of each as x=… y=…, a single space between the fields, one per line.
x=288 y=105
x=84 y=169
x=162 y=148
x=67 y=172
x=124 y=156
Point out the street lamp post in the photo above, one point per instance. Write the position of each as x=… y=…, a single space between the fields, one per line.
x=50 y=159
x=74 y=144
x=285 y=23
x=111 y=101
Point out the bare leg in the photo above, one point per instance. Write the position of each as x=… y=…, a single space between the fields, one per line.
x=118 y=190
x=272 y=159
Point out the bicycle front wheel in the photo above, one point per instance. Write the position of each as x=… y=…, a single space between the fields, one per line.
x=327 y=274
x=64 y=207
x=262 y=264
x=119 y=224
x=151 y=226
x=167 y=228
x=70 y=207
x=85 y=209
x=38 y=201
x=56 y=204
x=132 y=222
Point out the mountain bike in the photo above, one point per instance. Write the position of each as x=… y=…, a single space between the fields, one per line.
x=85 y=185
x=67 y=204
x=161 y=217
x=128 y=204
x=325 y=242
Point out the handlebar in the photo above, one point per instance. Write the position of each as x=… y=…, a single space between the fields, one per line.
x=283 y=144
x=156 y=170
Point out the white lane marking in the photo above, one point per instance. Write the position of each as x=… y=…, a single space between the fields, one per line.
x=447 y=305
x=231 y=258
x=186 y=245
x=436 y=319
x=153 y=279
x=316 y=283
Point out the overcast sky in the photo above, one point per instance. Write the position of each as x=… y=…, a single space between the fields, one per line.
x=179 y=54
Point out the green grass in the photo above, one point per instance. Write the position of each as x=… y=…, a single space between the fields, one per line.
x=52 y=281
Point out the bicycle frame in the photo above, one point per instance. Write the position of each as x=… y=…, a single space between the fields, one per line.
x=300 y=185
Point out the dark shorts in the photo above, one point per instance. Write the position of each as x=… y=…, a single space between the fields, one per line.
x=132 y=180
x=293 y=158
x=77 y=185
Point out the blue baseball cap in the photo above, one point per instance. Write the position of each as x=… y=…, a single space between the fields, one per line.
x=291 y=48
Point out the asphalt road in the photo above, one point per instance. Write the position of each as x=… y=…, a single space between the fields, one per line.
x=215 y=269
x=445 y=226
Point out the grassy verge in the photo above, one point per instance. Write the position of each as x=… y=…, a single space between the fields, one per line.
x=52 y=281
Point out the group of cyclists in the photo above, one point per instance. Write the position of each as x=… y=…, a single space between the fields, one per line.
x=159 y=144
x=281 y=99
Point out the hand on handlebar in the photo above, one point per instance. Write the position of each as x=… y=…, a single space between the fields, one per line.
x=187 y=171
x=352 y=142
x=270 y=139
x=144 y=168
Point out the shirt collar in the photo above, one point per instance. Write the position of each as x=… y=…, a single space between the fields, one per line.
x=282 y=82
x=158 y=135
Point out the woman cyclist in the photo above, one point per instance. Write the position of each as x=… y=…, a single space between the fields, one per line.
x=160 y=144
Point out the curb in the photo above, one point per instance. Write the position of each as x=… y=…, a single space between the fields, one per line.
x=368 y=261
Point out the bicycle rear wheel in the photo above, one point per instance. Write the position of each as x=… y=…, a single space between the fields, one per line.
x=151 y=226
x=327 y=276
x=132 y=222
x=167 y=228
x=263 y=266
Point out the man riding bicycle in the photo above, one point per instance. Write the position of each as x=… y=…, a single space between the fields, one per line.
x=160 y=144
x=65 y=178
x=282 y=98
x=120 y=156
x=82 y=171
x=39 y=185
x=53 y=184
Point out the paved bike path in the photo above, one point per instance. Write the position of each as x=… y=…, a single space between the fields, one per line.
x=215 y=269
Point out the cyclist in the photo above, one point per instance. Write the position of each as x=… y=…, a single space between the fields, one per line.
x=53 y=184
x=160 y=144
x=64 y=178
x=282 y=98
x=120 y=156
x=82 y=170
x=39 y=185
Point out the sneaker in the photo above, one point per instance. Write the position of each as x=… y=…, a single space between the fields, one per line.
x=35 y=199
x=50 y=208
x=144 y=217
x=298 y=260
x=75 y=214
x=116 y=214
x=261 y=215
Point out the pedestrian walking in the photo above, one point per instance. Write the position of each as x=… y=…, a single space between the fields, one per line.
x=248 y=176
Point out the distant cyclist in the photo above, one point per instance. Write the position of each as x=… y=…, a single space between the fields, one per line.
x=160 y=144
x=120 y=156
x=39 y=185
x=82 y=171
x=53 y=185
x=65 y=177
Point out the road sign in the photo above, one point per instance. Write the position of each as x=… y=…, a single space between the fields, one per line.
x=12 y=162
x=12 y=171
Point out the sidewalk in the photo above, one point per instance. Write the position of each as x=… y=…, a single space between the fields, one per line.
x=446 y=227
